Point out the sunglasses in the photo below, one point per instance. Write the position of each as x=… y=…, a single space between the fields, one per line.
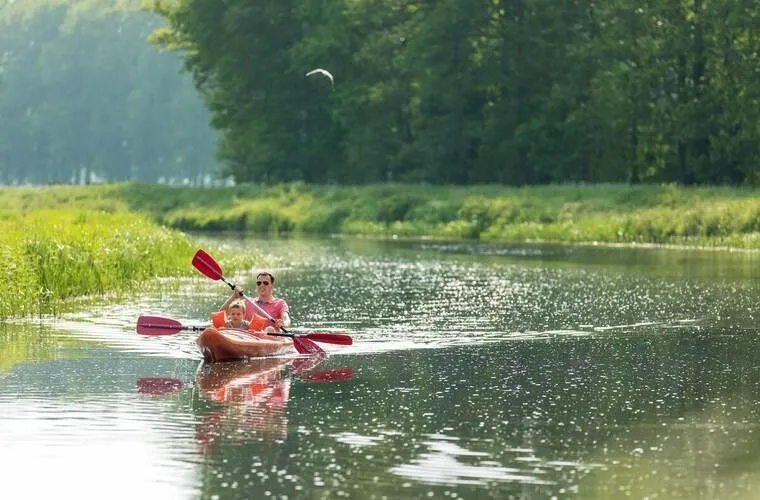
x=259 y=283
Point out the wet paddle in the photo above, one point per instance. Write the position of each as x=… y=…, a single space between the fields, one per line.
x=206 y=264
x=159 y=325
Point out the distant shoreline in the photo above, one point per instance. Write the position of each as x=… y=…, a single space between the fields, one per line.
x=61 y=242
x=662 y=215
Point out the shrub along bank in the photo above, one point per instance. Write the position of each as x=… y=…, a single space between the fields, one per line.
x=59 y=242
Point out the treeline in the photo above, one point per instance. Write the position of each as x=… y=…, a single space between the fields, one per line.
x=477 y=91
x=84 y=95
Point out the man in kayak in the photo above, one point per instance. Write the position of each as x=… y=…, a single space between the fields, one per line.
x=264 y=301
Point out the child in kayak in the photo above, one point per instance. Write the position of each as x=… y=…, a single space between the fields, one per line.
x=263 y=302
x=236 y=315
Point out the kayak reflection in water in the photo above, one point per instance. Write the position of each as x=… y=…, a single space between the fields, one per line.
x=254 y=395
x=249 y=397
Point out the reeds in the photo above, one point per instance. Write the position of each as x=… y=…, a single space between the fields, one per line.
x=48 y=256
x=705 y=216
x=65 y=241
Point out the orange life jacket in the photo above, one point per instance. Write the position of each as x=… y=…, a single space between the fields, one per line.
x=258 y=323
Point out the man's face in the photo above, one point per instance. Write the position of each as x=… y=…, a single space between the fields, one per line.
x=263 y=282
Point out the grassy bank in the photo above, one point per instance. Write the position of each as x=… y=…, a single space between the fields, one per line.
x=60 y=242
x=607 y=214
x=50 y=256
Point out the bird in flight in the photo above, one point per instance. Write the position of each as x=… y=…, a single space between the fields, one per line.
x=324 y=72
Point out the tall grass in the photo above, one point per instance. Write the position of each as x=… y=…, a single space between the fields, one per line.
x=714 y=216
x=662 y=214
x=51 y=255
x=60 y=242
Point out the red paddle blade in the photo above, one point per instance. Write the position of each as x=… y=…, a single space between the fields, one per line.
x=303 y=365
x=306 y=346
x=330 y=338
x=158 y=325
x=206 y=264
x=335 y=375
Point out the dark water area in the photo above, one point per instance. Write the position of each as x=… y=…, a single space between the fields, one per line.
x=477 y=371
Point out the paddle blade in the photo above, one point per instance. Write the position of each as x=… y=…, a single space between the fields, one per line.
x=306 y=346
x=206 y=264
x=158 y=325
x=330 y=338
x=303 y=365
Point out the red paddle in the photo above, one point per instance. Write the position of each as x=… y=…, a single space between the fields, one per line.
x=303 y=366
x=159 y=325
x=206 y=264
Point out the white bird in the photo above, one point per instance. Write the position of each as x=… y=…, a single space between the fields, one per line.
x=323 y=72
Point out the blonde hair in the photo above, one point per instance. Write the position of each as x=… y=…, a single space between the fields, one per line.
x=238 y=304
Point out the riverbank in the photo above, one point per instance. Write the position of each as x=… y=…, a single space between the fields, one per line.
x=614 y=214
x=51 y=257
x=59 y=242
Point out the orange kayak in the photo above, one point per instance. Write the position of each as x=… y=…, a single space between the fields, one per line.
x=229 y=344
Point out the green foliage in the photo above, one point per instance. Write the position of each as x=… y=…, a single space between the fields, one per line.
x=20 y=295
x=665 y=214
x=391 y=208
x=251 y=218
x=450 y=92
x=64 y=253
x=82 y=93
x=441 y=92
x=55 y=246
x=433 y=211
x=325 y=219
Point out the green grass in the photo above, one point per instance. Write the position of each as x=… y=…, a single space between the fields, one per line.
x=666 y=214
x=604 y=214
x=53 y=255
x=61 y=242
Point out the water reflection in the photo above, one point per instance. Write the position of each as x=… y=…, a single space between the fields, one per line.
x=476 y=373
x=246 y=400
x=446 y=462
x=253 y=397
x=159 y=386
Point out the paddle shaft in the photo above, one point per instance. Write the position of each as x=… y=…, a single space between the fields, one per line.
x=159 y=325
x=259 y=308
x=169 y=327
x=208 y=266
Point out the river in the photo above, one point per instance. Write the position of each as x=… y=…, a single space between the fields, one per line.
x=477 y=371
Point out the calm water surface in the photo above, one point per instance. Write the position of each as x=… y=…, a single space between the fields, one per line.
x=478 y=371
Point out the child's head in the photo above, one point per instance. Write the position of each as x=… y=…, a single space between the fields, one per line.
x=236 y=312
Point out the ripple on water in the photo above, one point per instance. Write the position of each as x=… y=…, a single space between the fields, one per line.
x=452 y=461
x=594 y=363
